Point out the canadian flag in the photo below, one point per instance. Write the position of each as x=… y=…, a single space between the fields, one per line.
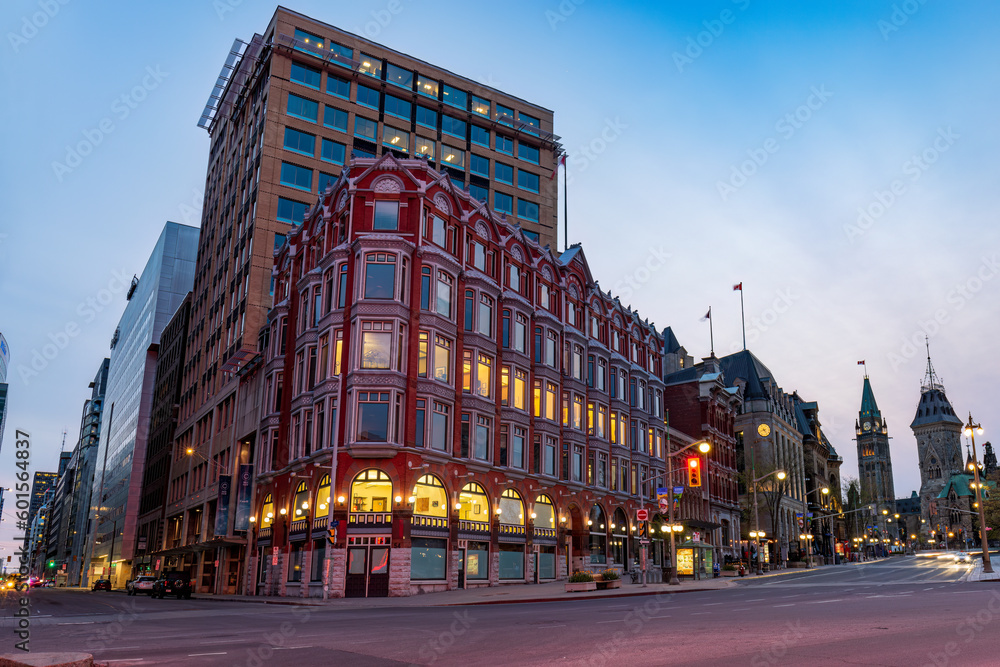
x=708 y=315
x=738 y=287
x=861 y=363
x=562 y=162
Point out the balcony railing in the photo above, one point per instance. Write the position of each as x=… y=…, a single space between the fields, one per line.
x=545 y=532
x=264 y=533
x=300 y=526
x=370 y=518
x=321 y=522
x=429 y=522
x=506 y=529
x=473 y=526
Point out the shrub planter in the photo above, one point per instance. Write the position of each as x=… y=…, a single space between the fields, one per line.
x=614 y=583
x=581 y=587
x=730 y=573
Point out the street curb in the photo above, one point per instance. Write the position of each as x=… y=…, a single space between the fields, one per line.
x=584 y=597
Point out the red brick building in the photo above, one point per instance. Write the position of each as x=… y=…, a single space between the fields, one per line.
x=485 y=413
x=701 y=404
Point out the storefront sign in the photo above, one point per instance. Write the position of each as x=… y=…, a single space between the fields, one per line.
x=222 y=511
x=244 y=488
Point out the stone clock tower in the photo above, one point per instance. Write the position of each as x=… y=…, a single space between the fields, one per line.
x=938 y=431
x=874 y=460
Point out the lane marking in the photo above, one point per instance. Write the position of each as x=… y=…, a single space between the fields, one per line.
x=825 y=601
x=790 y=604
x=557 y=626
x=195 y=655
x=222 y=641
x=700 y=613
x=620 y=620
x=78 y=623
x=709 y=604
x=756 y=600
x=290 y=648
x=659 y=617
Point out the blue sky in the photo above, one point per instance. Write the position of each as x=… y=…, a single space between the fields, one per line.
x=743 y=139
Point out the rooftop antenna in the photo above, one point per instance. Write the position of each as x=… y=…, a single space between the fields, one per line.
x=63 y=447
x=931 y=381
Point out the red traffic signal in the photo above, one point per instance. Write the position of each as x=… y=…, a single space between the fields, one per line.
x=694 y=471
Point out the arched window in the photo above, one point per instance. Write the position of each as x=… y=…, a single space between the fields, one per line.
x=511 y=508
x=474 y=505
x=322 y=501
x=545 y=512
x=300 y=505
x=429 y=497
x=598 y=535
x=267 y=511
x=619 y=537
x=371 y=491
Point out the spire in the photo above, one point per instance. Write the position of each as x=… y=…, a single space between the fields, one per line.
x=931 y=380
x=869 y=408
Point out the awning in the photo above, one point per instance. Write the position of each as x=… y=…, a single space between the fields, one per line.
x=202 y=546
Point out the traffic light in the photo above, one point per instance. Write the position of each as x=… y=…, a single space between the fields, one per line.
x=643 y=530
x=694 y=471
x=52 y=563
x=331 y=536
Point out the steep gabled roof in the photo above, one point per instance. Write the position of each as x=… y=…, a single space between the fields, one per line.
x=750 y=369
x=934 y=408
x=869 y=408
x=671 y=343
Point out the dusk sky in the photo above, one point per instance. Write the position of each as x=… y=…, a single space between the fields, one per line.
x=838 y=158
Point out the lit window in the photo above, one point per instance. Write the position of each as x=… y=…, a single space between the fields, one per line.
x=370 y=66
x=452 y=156
x=530 y=124
x=395 y=138
x=480 y=106
x=484 y=376
x=442 y=359
x=376 y=345
x=520 y=390
x=428 y=87
x=425 y=147
x=386 y=215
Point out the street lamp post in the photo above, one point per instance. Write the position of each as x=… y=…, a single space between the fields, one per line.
x=780 y=474
x=971 y=429
x=704 y=447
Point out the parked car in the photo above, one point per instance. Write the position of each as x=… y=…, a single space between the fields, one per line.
x=102 y=585
x=173 y=583
x=142 y=584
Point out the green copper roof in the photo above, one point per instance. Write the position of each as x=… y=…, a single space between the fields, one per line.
x=869 y=408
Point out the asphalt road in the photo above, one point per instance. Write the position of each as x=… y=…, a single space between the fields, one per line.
x=905 y=611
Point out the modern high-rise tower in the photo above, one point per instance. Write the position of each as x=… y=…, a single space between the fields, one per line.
x=874 y=459
x=938 y=431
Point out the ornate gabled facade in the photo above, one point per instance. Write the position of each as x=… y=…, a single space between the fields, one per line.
x=874 y=458
x=464 y=406
x=938 y=431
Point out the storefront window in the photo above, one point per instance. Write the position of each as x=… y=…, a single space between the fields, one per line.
x=511 y=508
x=545 y=512
x=322 y=501
x=318 y=560
x=371 y=492
x=511 y=561
x=295 y=562
x=300 y=505
x=598 y=535
x=619 y=537
x=429 y=497
x=428 y=558
x=477 y=561
x=474 y=505
x=547 y=562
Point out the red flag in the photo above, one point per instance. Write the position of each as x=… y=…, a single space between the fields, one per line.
x=738 y=287
x=861 y=363
x=708 y=315
x=561 y=162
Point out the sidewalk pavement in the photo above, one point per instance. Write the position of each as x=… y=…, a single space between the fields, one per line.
x=976 y=573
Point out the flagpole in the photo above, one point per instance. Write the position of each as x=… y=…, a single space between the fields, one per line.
x=565 y=202
x=743 y=318
x=711 y=333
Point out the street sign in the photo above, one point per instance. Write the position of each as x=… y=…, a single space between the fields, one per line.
x=643 y=541
x=274 y=551
x=642 y=515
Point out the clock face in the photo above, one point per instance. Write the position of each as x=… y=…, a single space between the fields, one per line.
x=764 y=430
x=867 y=426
